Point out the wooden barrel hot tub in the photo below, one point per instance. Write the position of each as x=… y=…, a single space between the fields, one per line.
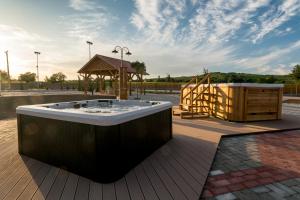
x=241 y=102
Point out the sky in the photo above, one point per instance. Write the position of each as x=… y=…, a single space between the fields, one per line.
x=176 y=37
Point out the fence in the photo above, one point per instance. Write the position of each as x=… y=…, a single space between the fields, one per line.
x=291 y=89
x=156 y=86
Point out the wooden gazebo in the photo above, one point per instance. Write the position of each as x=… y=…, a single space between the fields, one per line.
x=106 y=67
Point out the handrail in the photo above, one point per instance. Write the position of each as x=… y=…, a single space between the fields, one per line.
x=185 y=86
x=201 y=93
x=192 y=90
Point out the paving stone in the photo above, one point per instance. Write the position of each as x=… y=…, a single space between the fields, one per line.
x=296 y=188
x=244 y=158
x=265 y=196
x=285 y=188
x=216 y=172
x=251 y=184
x=221 y=183
x=276 y=191
x=227 y=196
x=294 y=197
x=298 y=180
x=220 y=190
x=265 y=181
x=248 y=194
x=236 y=187
x=260 y=189
x=276 y=196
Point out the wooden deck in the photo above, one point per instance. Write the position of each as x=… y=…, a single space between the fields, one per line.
x=178 y=170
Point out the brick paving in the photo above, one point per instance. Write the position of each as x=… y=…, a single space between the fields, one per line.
x=265 y=166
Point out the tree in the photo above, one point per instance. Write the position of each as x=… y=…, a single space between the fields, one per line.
x=139 y=67
x=56 y=78
x=4 y=75
x=27 y=77
x=296 y=72
x=296 y=75
x=168 y=77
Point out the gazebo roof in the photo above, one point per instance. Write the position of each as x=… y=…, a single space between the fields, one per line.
x=100 y=64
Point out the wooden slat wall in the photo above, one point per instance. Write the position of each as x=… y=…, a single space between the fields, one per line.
x=243 y=103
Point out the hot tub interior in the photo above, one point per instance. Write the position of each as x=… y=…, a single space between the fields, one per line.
x=102 y=106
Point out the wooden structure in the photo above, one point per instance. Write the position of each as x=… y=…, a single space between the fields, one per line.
x=195 y=98
x=106 y=67
x=247 y=101
x=231 y=101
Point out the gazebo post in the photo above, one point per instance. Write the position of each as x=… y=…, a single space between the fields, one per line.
x=85 y=84
x=101 y=82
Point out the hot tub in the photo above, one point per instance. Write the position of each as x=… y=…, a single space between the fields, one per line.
x=240 y=102
x=100 y=139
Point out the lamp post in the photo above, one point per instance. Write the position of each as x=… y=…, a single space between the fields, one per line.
x=89 y=43
x=0 y=82
x=37 y=67
x=7 y=64
x=127 y=52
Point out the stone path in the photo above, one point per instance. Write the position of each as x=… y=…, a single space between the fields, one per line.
x=265 y=166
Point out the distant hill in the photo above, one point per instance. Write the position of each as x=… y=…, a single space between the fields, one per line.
x=231 y=77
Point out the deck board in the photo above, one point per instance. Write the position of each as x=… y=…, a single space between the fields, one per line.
x=175 y=191
x=44 y=188
x=70 y=187
x=10 y=182
x=34 y=183
x=20 y=186
x=83 y=187
x=109 y=191
x=58 y=185
x=134 y=186
x=122 y=192
x=177 y=178
x=157 y=183
x=146 y=186
x=177 y=170
x=95 y=191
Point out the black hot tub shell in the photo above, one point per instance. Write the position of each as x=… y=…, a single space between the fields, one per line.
x=101 y=153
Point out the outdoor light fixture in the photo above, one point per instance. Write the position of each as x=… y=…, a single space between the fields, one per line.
x=89 y=43
x=127 y=52
x=37 y=66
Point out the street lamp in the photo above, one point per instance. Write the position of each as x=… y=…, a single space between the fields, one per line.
x=37 y=67
x=0 y=82
x=127 y=52
x=89 y=43
x=7 y=64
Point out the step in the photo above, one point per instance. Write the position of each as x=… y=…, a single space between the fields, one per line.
x=195 y=106
x=189 y=115
x=177 y=111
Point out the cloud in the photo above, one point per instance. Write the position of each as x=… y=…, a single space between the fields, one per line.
x=219 y=20
x=273 y=57
x=82 y=5
x=158 y=20
x=87 y=25
x=179 y=37
x=8 y=32
x=274 y=18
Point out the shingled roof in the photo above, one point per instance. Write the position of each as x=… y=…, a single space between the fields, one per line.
x=114 y=63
